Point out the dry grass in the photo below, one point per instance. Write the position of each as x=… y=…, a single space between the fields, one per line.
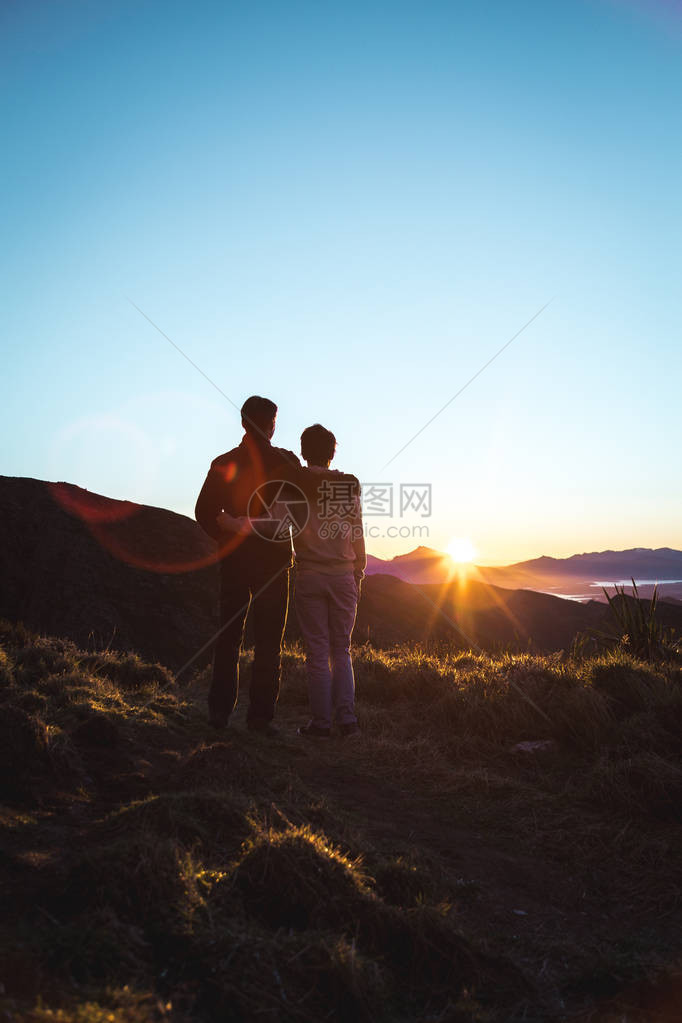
x=152 y=870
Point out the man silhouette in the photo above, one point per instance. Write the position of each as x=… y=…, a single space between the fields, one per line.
x=254 y=571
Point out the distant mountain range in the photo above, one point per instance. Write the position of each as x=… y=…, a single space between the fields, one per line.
x=579 y=576
x=107 y=572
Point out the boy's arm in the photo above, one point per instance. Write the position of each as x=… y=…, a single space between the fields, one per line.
x=360 y=563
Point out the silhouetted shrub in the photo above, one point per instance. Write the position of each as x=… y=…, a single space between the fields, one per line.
x=636 y=628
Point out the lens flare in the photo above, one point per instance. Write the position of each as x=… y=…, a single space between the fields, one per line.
x=127 y=531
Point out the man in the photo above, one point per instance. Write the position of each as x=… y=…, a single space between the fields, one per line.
x=254 y=571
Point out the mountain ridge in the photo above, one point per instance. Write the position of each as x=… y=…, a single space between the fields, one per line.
x=432 y=553
x=584 y=571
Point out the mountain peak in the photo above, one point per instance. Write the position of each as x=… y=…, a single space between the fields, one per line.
x=420 y=553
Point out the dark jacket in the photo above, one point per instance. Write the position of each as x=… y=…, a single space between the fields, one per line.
x=230 y=485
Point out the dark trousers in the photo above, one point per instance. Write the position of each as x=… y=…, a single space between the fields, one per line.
x=244 y=589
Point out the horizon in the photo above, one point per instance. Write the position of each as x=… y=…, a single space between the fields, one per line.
x=449 y=235
x=473 y=563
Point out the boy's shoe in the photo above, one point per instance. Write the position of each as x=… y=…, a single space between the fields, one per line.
x=348 y=731
x=314 y=732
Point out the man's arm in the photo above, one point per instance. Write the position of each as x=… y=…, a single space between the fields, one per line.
x=265 y=528
x=210 y=503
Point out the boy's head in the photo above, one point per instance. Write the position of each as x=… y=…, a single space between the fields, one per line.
x=258 y=416
x=318 y=445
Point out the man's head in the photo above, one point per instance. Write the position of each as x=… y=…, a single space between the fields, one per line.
x=258 y=416
x=318 y=445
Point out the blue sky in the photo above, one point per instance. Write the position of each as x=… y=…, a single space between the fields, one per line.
x=350 y=208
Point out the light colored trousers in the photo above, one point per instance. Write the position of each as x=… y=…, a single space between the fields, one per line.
x=326 y=607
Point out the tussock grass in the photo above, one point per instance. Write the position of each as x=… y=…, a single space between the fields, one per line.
x=429 y=871
x=299 y=977
x=196 y=816
x=295 y=879
x=515 y=697
x=127 y=671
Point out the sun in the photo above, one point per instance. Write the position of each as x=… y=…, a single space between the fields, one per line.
x=461 y=550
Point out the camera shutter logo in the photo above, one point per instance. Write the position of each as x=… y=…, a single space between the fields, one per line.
x=278 y=511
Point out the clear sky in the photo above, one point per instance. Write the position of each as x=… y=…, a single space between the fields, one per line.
x=350 y=208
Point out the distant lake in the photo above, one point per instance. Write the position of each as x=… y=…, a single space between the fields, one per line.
x=581 y=598
x=640 y=582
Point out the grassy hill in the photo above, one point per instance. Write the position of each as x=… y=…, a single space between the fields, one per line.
x=153 y=870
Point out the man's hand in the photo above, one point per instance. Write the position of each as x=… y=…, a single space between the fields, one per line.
x=229 y=524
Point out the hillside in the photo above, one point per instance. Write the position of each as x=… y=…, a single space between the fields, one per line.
x=105 y=572
x=472 y=613
x=152 y=870
x=111 y=573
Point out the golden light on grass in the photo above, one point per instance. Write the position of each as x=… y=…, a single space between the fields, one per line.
x=461 y=550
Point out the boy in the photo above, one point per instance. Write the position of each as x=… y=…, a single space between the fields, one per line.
x=330 y=566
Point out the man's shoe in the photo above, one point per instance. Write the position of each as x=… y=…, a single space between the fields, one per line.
x=219 y=723
x=264 y=728
x=314 y=732
x=348 y=731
